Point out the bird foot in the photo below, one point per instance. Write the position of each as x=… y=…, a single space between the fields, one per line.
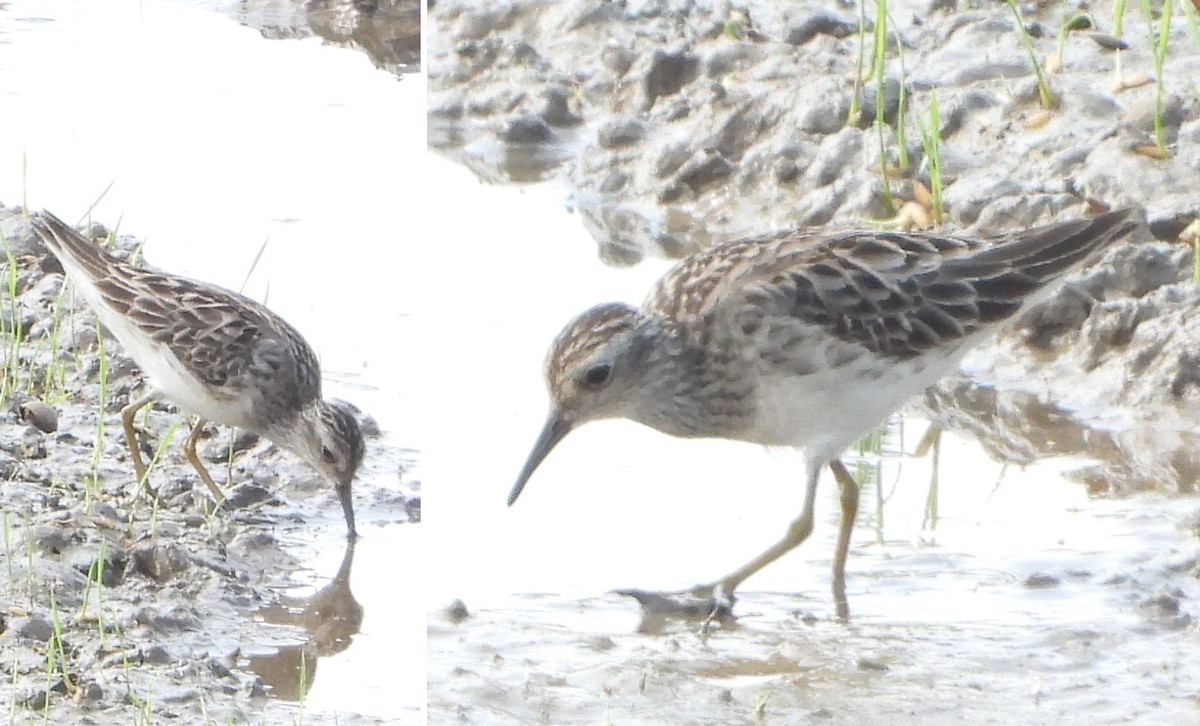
x=708 y=603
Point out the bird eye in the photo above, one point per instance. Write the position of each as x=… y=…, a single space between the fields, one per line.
x=597 y=375
x=328 y=455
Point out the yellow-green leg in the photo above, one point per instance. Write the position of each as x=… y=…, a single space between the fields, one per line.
x=189 y=448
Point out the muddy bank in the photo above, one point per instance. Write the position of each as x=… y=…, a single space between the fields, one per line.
x=123 y=605
x=677 y=125
x=387 y=31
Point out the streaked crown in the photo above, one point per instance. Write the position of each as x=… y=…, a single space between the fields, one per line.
x=595 y=364
x=332 y=441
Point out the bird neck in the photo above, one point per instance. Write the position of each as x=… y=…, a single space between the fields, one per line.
x=681 y=392
x=294 y=432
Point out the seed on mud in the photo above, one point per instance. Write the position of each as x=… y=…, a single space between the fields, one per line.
x=893 y=172
x=1137 y=80
x=1037 y=120
x=39 y=415
x=1108 y=42
x=914 y=214
x=1152 y=151
x=1191 y=235
x=921 y=194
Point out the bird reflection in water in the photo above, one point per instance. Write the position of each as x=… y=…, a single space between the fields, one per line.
x=331 y=618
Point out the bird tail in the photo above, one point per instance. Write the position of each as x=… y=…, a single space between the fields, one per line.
x=1012 y=272
x=1045 y=253
x=71 y=248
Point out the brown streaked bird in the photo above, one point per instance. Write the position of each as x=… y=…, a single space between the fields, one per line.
x=802 y=339
x=217 y=355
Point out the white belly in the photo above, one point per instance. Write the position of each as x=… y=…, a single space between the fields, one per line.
x=830 y=409
x=172 y=380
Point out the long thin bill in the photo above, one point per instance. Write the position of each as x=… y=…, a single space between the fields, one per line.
x=555 y=429
x=343 y=492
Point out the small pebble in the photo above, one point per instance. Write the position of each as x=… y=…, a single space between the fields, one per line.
x=456 y=612
x=870 y=664
x=39 y=415
x=36 y=628
x=1040 y=581
x=157 y=655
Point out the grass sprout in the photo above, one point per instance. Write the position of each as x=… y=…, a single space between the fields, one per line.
x=1045 y=96
x=855 y=112
x=11 y=326
x=930 y=519
x=98 y=449
x=152 y=466
x=931 y=143
x=95 y=577
x=303 y=681
x=1074 y=21
x=87 y=215
x=254 y=265
x=1189 y=12
x=8 y=550
x=1159 y=47
x=54 y=378
x=29 y=559
x=877 y=72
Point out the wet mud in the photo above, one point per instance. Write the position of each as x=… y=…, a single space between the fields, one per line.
x=1032 y=604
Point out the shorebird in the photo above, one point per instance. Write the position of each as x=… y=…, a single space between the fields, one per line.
x=217 y=355
x=801 y=339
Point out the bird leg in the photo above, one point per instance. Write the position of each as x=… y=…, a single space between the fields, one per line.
x=127 y=415
x=796 y=533
x=849 y=500
x=716 y=599
x=189 y=448
x=928 y=439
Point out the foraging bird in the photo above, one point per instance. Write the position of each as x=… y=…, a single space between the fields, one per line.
x=216 y=354
x=802 y=339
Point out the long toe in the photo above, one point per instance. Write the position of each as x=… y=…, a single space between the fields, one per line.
x=703 y=602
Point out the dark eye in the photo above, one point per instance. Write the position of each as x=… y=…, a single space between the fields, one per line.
x=597 y=375
x=328 y=455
